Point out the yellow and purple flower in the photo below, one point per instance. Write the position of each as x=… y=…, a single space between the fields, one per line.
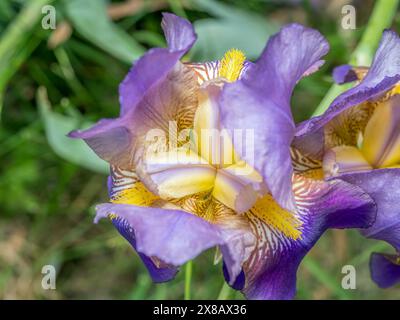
x=181 y=182
x=358 y=140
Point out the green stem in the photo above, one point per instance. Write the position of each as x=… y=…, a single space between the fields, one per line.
x=225 y=292
x=381 y=18
x=188 y=279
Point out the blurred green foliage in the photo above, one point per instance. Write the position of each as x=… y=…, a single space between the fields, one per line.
x=52 y=81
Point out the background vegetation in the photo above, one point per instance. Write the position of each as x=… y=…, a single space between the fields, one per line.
x=52 y=81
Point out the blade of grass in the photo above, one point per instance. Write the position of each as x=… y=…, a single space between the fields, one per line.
x=188 y=279
x=225 y=292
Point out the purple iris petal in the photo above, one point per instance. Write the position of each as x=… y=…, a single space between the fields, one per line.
x=383 y=185
x=175 y=236
x=384 y=271
x=109 y=185
x=156 y=64
x=110 y=138
x=261 y=101
x=178 y=32
x=383 y=74
x=158 y=274
x=240 y=280
x=334 y=204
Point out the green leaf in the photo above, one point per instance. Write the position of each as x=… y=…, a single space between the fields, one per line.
x=57 y=127
x=233 y=28
x=90 y=19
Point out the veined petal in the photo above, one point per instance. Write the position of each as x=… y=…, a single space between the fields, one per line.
x=154 y=66
x=344 y=159
x=348 y=127
x=381 y=144
x=120 y=180
x=306 y=162
x=109 y=139
x=268 y=211
x=210 y=70
x=284 y=238
x=205 y=71
x=150 y=98
x=385 y=269
x=124 y=187
x=260 y=102
x=166 y=110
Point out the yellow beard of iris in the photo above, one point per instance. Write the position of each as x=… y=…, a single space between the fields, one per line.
x=231 y=65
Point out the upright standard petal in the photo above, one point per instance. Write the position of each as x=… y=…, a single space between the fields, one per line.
x=156 y=76
x=178 y=32
x=381 y=77
x=156 y=64
x=260 y=101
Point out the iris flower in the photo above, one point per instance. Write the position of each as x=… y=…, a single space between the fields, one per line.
x=175 y=192
x=360 y=139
